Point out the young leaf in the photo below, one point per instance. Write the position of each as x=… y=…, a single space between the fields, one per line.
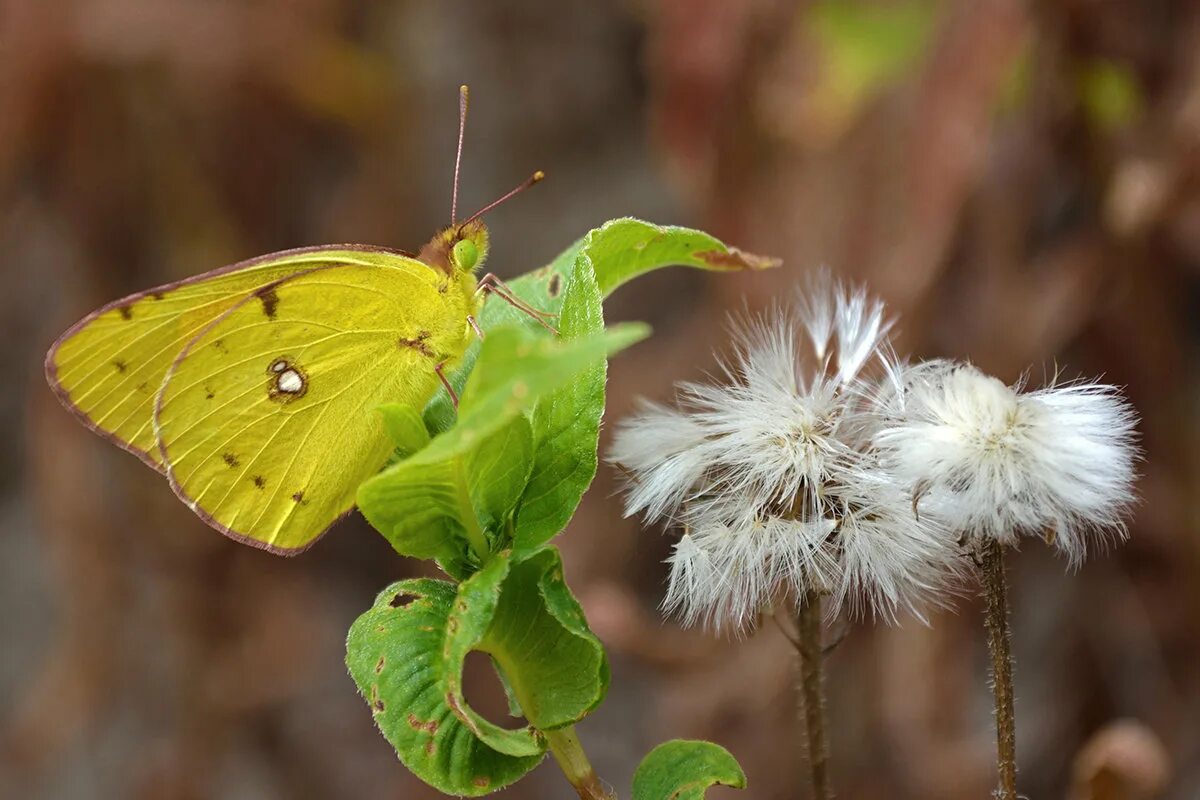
x=395 y=653
x=566 y=424
x=506 y=609
x=684 y=770
x=405 y=427
x=432 y=510
x=515 y=368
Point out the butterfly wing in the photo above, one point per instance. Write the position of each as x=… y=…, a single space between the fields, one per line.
x=265 y=419
x=108 y=368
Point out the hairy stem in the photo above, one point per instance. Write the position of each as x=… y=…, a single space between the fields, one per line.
x=567 y=751
x=812 y=692
x=995 y=590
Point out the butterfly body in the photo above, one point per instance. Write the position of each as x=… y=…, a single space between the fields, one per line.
x=252 y=387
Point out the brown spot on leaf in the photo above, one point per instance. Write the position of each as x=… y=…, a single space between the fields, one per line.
x=378 y=705
x=126 y=312
x=401 y=599
x=270 y=300
x=481 y=781
x=430 y=747
x=452 y=624
x=120 y=365
x=379 y=665
x=230 y=459
x=259 y=481
x=555 y=285
x=430 y=727
x=735 y=259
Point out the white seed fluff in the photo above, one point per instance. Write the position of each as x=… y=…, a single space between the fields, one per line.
x=990 y=460
x=770 y=475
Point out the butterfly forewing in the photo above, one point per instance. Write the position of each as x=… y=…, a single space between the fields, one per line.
x=265 y=420
x=109 y=367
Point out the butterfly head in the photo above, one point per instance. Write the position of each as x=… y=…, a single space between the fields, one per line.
x=457 y=250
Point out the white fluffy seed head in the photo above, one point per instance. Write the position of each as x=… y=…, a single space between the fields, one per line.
x=766 y=470
x=992 y=461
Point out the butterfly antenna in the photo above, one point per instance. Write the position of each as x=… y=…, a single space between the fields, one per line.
x=525 y=184
x=464 y=96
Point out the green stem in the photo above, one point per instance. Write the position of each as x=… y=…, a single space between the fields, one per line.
x=470 y=521
x=995 y=589
x=812 y=692
x=567 y=751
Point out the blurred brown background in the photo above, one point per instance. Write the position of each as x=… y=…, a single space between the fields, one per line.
x=1021 y=181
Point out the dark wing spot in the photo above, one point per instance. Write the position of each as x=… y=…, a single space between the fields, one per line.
x=418 y=343
x=221 y=346
x=298 y=497
x=143 y=387
x=121 y=366
x=270 y=300
x=259 y=481
x=157 y=295
x=555 y=285
x=126 y=312
x=231 y=459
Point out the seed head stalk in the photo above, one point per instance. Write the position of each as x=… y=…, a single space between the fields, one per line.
x=812 y=692
x=995 y=590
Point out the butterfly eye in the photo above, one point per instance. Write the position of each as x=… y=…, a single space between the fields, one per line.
x=465 y=255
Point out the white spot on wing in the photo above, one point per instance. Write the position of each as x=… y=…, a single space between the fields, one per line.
x=289 y=381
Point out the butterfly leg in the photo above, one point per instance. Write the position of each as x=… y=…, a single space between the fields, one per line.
x=475 y=326
x=490 y=284
x=446 y=382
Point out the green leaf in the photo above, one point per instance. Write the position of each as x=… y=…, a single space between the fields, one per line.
x=405 y=427
x=397 y=654
x=566 y=424
x=498 y=470
x=435 y=510
x=515 y=368
x=521 y=613
x=684 y=770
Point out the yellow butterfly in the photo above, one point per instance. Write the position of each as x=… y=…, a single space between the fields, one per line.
x=251 y=387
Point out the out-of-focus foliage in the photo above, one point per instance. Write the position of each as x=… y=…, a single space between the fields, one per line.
x=1022 y=188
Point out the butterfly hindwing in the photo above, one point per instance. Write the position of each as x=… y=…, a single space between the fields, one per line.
x=265 y=421
x=109 y=367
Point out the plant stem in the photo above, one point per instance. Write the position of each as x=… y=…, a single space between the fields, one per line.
x=564 y=744
x=995 y=589
x=812 y=691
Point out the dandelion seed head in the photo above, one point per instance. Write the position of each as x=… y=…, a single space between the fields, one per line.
x=994 y=461
x=765 y=471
